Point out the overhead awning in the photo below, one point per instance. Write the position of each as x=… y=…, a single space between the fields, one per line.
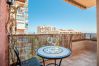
x=84 y=4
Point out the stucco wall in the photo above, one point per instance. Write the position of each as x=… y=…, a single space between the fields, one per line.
x=97 y=32
x=3 y=35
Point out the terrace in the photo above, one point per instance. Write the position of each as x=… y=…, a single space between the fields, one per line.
x=83 y=49
x=82 y=55
x=82 y=52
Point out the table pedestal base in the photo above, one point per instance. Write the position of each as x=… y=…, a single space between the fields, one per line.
x=52 y=63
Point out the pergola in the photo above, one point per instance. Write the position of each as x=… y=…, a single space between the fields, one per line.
x=4 y=11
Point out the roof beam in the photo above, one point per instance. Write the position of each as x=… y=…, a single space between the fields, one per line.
x=82 y=4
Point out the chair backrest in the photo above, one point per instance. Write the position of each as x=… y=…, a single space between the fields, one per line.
x=30 y=62
x=17 y=55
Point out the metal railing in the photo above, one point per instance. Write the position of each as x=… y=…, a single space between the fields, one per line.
x=91 y=36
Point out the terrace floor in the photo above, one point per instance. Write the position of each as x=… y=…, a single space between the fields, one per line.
x=84 y=54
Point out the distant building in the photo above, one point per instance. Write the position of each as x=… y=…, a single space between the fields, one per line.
x=61 y=31
x=54 y=30
x=22 y=18
x=46 y=30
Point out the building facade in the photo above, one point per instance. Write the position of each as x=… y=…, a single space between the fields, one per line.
x=46 y=30
x=18 y=17
x=54 y=30
x=22 y=18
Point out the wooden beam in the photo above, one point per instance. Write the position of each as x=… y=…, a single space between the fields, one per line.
x=76 y=3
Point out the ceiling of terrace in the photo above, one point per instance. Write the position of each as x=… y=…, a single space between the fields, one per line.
x=84 y=4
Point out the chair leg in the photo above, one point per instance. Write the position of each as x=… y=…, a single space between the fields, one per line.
x=60 y=62
x=55 y=62
x=43 y=62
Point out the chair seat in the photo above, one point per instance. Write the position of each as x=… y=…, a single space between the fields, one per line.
x=31 y=62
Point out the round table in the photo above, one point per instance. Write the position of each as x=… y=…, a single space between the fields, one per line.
x=53 y=52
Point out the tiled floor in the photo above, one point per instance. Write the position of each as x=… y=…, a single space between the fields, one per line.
x=84 y=54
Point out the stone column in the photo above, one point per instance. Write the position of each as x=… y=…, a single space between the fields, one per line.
x=3 y=34
x=97 y=6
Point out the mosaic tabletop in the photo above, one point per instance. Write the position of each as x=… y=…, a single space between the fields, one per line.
x=53 y=52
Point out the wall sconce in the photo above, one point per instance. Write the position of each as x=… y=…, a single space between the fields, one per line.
x=10 y=2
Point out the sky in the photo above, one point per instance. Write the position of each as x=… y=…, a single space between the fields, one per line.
x=61 y=15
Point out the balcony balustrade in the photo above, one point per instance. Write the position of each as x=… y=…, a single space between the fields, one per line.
x=27 y=44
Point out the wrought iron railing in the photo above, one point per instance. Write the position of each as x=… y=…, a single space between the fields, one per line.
x=91 y=36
